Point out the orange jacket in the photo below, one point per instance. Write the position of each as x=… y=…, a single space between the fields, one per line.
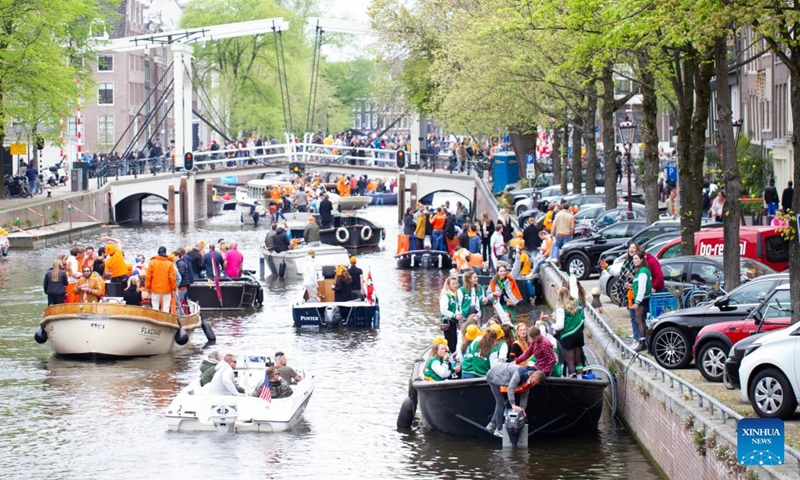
x=160 y=276
x=438 y=221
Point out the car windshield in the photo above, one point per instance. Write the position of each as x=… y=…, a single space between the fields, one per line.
x=752 y=269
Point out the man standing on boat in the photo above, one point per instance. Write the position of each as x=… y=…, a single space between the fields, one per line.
x=311 y=233
x=325 y=212
x=511 y=376
x=88 y=288
x=161 y=281
x=356 y=275
x=233 y=261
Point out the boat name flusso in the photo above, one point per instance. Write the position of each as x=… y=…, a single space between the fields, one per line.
x=155 y=332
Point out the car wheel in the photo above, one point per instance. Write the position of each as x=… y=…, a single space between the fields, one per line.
x=614 y=288
x=726 y=381
x=521 y=209
x=771 y=395
x=671 y=348
x=711 y=360
x=579 y=265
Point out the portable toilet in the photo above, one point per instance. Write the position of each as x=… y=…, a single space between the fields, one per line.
x=505 y=169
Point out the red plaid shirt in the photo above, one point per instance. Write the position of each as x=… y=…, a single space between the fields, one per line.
x=545 y=357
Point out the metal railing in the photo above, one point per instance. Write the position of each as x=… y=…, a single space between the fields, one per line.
x=685 y=388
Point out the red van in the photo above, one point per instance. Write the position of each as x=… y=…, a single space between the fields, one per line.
x=763 y=244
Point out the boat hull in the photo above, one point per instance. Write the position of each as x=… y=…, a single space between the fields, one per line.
x=558 y=406
x=383 y=199
x=433 y=259
x=113 y=330
x=237 y=294
x=355 y=314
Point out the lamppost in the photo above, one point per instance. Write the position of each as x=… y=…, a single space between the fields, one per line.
x=627 y=131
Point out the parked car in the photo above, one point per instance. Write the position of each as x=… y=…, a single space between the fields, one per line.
x=540 y=201
x=730 y=378
x=607 y=218
x=670 y=336
x=580 y=255
x=764 y=244
x=715 y=341
x=769 y=374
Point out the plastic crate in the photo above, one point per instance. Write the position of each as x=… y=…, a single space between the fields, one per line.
x=662 y=302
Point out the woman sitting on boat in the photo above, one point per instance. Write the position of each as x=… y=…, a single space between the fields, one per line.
x=450 y=311
x=438 y=367
x=504 y=288
x=520 y=343
x=472 y=296
x=487 y=350
x=343 y=285
x=470 y=333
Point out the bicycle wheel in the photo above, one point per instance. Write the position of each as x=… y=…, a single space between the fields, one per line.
x=696 y=298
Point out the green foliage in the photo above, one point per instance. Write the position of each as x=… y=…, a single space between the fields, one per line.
x=753 y=168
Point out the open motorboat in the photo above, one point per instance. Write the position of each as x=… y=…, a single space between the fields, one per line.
x=422 y=258
x=194 y=410
x=324 y=312
x=289 y=264
x=110 y=328
x=234 y=293
x=560 y=405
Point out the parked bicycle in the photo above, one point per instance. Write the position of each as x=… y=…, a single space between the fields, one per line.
x=701 y=293
x=17 y=186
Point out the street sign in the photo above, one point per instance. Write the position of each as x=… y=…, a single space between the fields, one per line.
x=529 y=158
x=18 y=149
x=672 y=172
x=530 y=169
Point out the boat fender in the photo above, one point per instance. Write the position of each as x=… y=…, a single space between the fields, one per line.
x=440 y=260
x=332 y=317
x=366 y=233
x=342 y=235
x=41 y=335
x=282 y=269
x=181 y=337
x=260 y=296
x=208 y=331
x=412 y=260
x=406 y=416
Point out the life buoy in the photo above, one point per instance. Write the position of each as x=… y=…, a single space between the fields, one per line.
x=342 y=235
x=366 y=233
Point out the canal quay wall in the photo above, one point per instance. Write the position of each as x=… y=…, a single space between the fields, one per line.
x=686 y=433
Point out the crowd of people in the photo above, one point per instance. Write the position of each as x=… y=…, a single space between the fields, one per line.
x=160 y=282
x=217 y=377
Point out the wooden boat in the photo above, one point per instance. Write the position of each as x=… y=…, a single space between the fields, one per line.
x=426 y=258
x=326 y=313
x=289 y=264
x=462 y=408
x=112 y=329
x=192 y=410
x=237 y=293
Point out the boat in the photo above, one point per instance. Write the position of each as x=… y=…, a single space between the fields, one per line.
x=254 y=191
x=237 y=293
x=294 y=219
x=383 y=198
x=5 y=246
x=352 y=232
x=110 y=328
x=288 y=265
x=354 y=202
x=192 y=411
x=326 y=313
x=425 y=258
x=560 y=405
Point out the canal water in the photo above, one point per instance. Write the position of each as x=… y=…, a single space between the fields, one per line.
x=72 y=419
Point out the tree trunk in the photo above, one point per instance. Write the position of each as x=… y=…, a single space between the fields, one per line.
x=685 y=96
x=794 y=247
x=523 y=143
x=577 y=162
x=564 y=160
x=609 y=155
x=589 y=139
x=691 y=202
x=649 y=181
x=730 y=168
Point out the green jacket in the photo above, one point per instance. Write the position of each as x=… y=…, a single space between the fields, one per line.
x=641 y=287
x=207 y=370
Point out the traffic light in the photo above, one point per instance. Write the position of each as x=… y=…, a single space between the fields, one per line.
x=188 y=161
x=296 y=168
x=401 y=159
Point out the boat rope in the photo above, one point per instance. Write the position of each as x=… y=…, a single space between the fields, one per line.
x=315 y=67
x=283 y=83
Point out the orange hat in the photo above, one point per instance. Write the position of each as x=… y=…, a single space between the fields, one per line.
x=352 y=260
x=130 y=267
x=472 y=333
x=518 y=234
x=110 y=249
x=171 y=256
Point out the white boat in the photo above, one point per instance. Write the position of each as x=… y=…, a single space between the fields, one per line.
x=254 y=191
x=353 y=203
x=193 y=410
x=289 y=264
x=112 y=329
x=294 y=219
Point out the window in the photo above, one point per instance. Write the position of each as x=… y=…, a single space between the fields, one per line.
x=672 y=252
x=750 y=293
x=105 y=63
x=105 y=129
x=777 y=249
x=775 y=306
x=368 y=107
x=646 y=235
x=674 y=272
x=357 y=125
x=616 y=231
x=374 y=120
x=72 y=127
x=705 y=273
x=366 y=122
x=105 y=93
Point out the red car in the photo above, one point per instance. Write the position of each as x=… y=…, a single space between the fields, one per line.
x=714 y=341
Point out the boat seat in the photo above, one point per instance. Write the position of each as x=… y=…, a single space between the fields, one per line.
x=328 y=271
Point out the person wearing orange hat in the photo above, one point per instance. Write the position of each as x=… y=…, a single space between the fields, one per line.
x=115 y=268
x=470 y=334
x=311 y=232
x=438 y=367
x=356 y=275
x=487 y=350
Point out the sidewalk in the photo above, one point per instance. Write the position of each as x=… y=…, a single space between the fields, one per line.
x=57 y=194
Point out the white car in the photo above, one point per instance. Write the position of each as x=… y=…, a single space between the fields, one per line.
x=770 y=373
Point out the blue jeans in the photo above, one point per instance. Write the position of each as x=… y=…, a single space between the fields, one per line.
x=437 y=240
x=634 y=326
x=558 y=243
x=772 y=209
x=181 y=296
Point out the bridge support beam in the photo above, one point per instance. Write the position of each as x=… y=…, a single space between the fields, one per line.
x=182 y=64
x=171 y=205
x=209 y=196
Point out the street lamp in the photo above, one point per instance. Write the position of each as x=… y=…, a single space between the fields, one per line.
x=627 y=131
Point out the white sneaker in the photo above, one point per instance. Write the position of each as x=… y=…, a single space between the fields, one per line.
x=498 y=433
x=490 y=427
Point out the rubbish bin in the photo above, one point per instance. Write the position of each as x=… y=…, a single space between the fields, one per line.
x=79 y=176
x=505 y=170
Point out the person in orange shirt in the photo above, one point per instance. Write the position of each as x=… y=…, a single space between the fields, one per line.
x=437 y=237
x=544 y=250
x=461 y=258
x=275 y=194
x=161 y=280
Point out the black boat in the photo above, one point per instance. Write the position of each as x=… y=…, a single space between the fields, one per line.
x=237 y=293
x=349 y=231
x=560 y=405
x=424 y=258
x=325 y=312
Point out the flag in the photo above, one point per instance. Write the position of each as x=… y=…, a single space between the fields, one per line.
x=216 y=276
x=265 y=394
x=370 y=288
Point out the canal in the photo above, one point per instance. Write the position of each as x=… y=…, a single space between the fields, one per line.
x=71 y=419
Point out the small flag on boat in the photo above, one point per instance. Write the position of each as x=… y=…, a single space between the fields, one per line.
x=265 y=394
x=370 y=288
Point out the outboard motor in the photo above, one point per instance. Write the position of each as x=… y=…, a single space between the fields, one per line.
x=515 y=429
x=223 y=417
x=425 y=262
x=332 y=317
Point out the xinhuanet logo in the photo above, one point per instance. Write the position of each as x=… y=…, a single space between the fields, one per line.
x=760 y=441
